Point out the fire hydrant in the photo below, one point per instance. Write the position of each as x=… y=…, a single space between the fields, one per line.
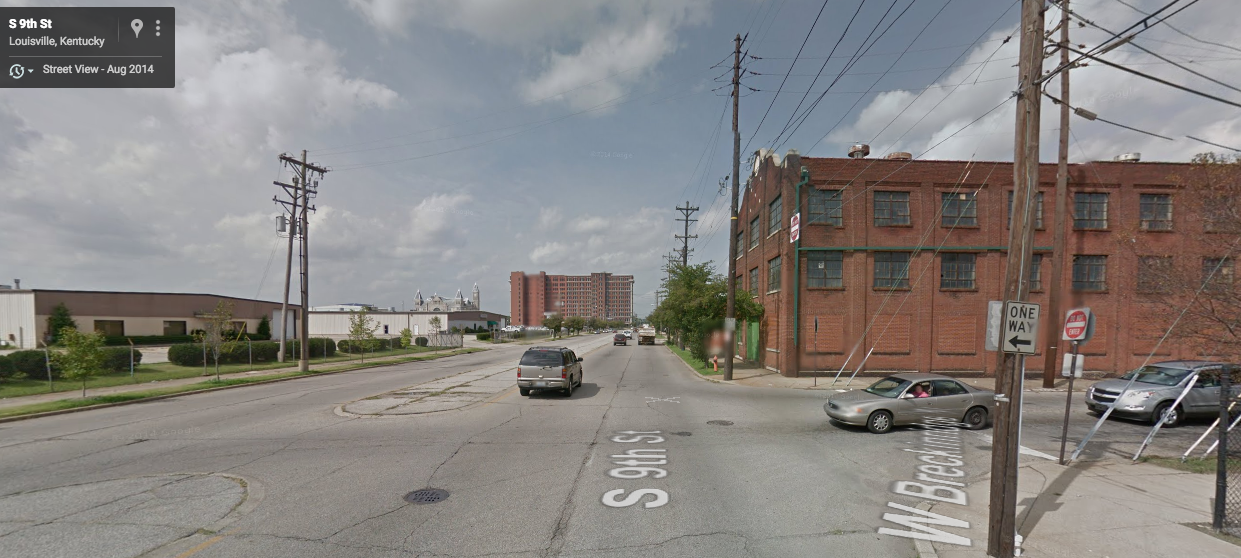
x=715 y=362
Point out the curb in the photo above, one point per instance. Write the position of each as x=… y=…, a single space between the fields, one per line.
x=204 y=390
x=695 y=373
x=922 y=547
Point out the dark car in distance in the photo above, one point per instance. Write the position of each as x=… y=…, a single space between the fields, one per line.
x=620 y=339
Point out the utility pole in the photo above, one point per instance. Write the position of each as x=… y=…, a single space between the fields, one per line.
x=730 y=311
x=1002 y=523
x=1053 y=314
x=309 y=187
x=291 y=227
x=687 y=211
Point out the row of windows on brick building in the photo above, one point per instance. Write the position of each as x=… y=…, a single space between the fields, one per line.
x=825 y=269
x=891 y=209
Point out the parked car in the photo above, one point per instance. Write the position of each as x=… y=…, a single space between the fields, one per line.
x=895 y=401
x=1156 y=387
x=620 y=339
x=549 y=368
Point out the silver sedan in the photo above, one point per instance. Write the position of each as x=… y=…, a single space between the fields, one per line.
x=903 y=399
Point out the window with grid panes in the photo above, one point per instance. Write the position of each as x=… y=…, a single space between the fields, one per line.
x=1155 y=211
x=1090 y=273
x=1090 y=210
x=773 y=274
x=740 y=244
x=1219 y=271
x=754 y=233
x=825 y=269
x=891 y=209
x=775 y=214
x=826 y=207
x=1153 y=273
x=1038 y=210
x=1036 y=272
x=956 y=270
x=960 y=209
x=754 y=281
x=892 y=270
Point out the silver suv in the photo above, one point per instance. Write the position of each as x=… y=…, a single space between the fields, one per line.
x=1156 y=388
x=549 y=368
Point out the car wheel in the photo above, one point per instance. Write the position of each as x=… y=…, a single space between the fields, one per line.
x=1174 y=415
x=976 y=418
x=525 y=392
x=568 y=392
x=880 y=422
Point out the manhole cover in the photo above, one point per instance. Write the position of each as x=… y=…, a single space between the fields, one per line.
x=682 y=433
x=426 y=496
x=720 y=422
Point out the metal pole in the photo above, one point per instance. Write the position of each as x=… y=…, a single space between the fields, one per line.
x=304 y=358
x=288 y=271
x=1054 y=315
x=1068 y=402
x=1221 y=458
x=47 y=362
x=204 y=355
x=731 y=310
x=250 y=349
x=131 y=359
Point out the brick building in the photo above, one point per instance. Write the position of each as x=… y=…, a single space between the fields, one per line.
x=900 y=257
x=533 y=296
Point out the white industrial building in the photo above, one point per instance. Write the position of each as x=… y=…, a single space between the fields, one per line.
x=335 y=323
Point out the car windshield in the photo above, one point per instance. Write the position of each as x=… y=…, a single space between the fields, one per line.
x=541 y=358
x=1158 y=375
x=888 y=387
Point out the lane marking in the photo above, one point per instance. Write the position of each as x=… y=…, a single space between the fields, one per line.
x=200 y=547
x=665 y=399
x=1024 y=450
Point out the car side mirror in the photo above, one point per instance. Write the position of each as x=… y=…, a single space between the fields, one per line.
x=580 y=359
x=907 y=396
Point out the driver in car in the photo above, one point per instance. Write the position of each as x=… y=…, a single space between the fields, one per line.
x=919 y=391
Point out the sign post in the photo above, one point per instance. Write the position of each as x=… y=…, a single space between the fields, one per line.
x=1078 y=328
x=795 y=227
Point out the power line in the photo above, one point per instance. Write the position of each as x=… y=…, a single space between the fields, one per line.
x=1155 y=79
x=1203 y=41
x=1108 y=45
x=1213 y=143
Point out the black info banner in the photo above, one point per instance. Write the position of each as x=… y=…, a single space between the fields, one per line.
x=87 y=47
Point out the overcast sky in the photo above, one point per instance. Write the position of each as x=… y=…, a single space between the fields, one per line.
x=471 y=138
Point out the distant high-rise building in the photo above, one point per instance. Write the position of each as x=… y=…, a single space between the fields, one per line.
x=535 y=296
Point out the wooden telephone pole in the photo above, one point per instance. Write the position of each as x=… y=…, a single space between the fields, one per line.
x=1053 y=314
x=730 y=312
x=685 y=249
x=1002 y=523
x=305 y=186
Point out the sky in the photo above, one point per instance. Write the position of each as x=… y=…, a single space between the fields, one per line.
x=471 y=138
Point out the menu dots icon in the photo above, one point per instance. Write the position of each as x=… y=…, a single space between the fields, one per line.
x=157 y=28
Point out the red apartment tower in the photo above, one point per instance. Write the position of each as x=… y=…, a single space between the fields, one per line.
x=534 y=296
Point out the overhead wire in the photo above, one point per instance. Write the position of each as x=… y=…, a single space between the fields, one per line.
x=1183 y=33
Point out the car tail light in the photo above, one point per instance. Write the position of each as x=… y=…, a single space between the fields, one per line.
x=518 y=372
x=564 y=373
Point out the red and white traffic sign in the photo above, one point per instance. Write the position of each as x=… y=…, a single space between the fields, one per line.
x=795 y=227
x=1077 y=325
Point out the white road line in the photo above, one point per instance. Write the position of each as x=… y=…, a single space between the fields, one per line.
x=1024 y=450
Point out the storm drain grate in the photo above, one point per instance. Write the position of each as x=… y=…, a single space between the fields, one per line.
x=720 y=422
x=426 y=496
x=682 y=433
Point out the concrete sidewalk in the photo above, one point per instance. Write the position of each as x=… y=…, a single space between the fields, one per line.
x=112 y=390
x=1096 y=509
x=762 y=377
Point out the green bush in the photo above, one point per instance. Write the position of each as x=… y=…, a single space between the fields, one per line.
x=483 y=336
x=7 y=370
x=264 y=329
x=147 y=340
x=422 y=341
x=32 y=363
x=292 y=348
x=116 y=359
x=232 y=352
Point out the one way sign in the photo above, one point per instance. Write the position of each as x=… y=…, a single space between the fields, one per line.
x=1020 y=328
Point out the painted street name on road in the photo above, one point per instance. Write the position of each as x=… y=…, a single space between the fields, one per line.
x=941 y=455
x=637 y=463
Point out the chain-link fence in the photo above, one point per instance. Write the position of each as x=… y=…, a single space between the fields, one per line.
x=1227 y=513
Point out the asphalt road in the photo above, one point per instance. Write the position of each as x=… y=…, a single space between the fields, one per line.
x=526 y=476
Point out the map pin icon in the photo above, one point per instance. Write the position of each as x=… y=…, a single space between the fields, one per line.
x=137 y=25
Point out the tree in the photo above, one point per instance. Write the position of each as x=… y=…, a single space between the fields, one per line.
x=554 y=322
x=407 y=337
x=1198 y=275
x=83 y=355
x=59 y=319
x=593 y=323
x=575 y=324
x=695 y=306
x=361 y=332
x=215 y=335
x=435 y=324
x=264 y=329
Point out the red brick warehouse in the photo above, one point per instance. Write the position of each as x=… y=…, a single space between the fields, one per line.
x=901 y=256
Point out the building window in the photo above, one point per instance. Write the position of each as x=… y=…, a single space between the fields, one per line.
x=1090 y=273
x=1217 y=273
x=775 y=214
x=174 y=328
x=740 y=244
x=1038 y=210
x=1156 y=212
x=959 y=209
x=892 y=270
x=754 y=281
x=1036 y=272
x=826 y=207
x=1090 y=210
x=754 y=233
x=956 y=270
x=1153 y=272
x=110 y=328
x=891 y=209
x=825 y=269
x=239 y=327
x=773 y=274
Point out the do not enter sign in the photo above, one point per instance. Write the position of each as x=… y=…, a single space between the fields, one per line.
x=1077 y=325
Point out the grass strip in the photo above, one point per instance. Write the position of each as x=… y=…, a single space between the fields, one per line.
x=1198 y=465
x=64 y=404
x=701 y=367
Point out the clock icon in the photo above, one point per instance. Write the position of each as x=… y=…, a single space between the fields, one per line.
x=17 y=71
